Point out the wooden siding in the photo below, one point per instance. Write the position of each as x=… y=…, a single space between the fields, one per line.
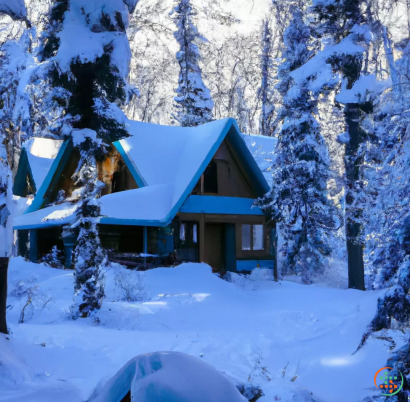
x=231 y=181
x=207 y=235
x=108 y=167
x=65 y=182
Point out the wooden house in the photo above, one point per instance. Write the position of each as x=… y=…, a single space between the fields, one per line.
x=171 y=195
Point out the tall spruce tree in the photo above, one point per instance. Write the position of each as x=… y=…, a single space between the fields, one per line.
x=266 y=89
x=194 y=103
x=85 y=59
x=388 y=214
x=298 y=198
x=338 y=21
x=15 y=58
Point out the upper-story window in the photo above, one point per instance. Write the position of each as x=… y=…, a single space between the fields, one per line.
x=211 y=178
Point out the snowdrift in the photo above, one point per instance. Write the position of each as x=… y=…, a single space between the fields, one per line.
x=169 y=376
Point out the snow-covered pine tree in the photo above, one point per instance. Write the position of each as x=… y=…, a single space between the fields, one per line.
x=89 y=257
x=298 y=198
x=266 y=89
x=194 y=103
x=85 y=62
x=14 y=60
x=341 y=24
x=388 y=216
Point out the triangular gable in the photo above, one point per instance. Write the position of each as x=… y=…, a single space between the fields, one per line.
x=52 y=177
x=48 y=188
x=36 y=158
x=250 y=168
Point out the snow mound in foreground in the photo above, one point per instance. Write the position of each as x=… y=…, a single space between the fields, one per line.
x=169 y=376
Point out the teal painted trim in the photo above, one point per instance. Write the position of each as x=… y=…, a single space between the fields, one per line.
x=230 y=247
x=33 y=245
x=145 y=240
x=52 y=177
x=249 y=265
x=256 y=177
x=211 y=204
x=42 y=225
x=130 y=164
x=22 y=241
x=132 y=222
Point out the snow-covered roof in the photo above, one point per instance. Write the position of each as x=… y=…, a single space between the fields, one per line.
x=166 y=162
x=262 y=149
x=41 y=153
x=176 y=153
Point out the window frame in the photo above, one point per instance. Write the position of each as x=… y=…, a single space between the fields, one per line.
x=252 y=251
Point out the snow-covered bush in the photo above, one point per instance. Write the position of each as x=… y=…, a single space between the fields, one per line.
x=131 y=285
x=54 y=258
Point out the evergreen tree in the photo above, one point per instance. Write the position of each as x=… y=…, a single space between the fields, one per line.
x=266 y=89
x=194 y=103
x=298 y=198
x=338 y=21
x=85 y=61
x=89 y=257
x=15 y=58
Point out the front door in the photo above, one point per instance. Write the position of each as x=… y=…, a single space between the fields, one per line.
x=214 y=237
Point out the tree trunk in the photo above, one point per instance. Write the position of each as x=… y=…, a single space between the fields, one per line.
x=353 y=214
x=4 y=262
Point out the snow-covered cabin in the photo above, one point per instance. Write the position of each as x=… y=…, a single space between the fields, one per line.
x=172 y=194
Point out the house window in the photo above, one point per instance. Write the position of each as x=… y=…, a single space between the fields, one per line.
x=257 y=237
x=252 y=237
x=182 y=230
x=246 y=237
x=211 y=178
x=195 y=233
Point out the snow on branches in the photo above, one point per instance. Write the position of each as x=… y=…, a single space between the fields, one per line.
x=194 y=103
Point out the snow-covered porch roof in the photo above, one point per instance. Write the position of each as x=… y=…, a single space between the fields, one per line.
x=166 y=162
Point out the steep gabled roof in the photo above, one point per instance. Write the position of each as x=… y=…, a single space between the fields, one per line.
x=37 y=156
x=166 y=162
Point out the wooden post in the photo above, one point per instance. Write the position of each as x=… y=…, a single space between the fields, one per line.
x=230 y=247
x=145 y=246
x=70 y=241
x=201 y=237
x=22 y=241
x=274 y=250
x=33 y=246
x=4 y=263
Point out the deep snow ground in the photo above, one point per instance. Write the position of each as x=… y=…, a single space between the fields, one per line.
x=250 y=329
